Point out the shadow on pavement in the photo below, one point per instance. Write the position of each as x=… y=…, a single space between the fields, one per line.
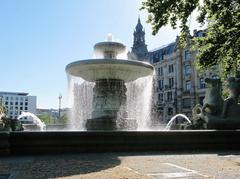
x=54 y=166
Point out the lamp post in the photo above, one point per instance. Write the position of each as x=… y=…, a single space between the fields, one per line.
x=59 y=109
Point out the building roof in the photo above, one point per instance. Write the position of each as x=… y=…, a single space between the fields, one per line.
x=169 y=48
x=13 y=93
x=158 y=54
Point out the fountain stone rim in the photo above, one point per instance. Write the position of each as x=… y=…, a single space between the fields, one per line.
x=82 y=68
x=120 y=47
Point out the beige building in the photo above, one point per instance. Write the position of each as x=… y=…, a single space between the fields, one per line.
x=178 y=85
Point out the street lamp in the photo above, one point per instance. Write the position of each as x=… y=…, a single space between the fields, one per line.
x=59 y=109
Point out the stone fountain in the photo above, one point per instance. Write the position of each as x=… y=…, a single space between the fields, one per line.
x=110 y=75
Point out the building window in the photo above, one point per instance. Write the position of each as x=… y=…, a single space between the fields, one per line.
x=202 y=83
x=11 y=103
x=157 y=57
x=160 y=71
x=26 y=108
x=6 y=103
x=171 y=82
x=26 y=103
x=16 y=103
x=170 y=111
x=160 y=84
x=186 y=103
x=187 y=55
x=188 y=85
x=170 y=68
x=187 y=70
x=169 y=96
x=200 y=34
x=6 y=98
x=16 y=98
x=215 y=77
x=160 y=97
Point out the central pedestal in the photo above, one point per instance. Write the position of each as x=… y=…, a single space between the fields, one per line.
x=109 y=106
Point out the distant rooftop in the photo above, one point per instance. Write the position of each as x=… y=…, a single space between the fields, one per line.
x=158 y=54
x=163 y=47
x=13 y=93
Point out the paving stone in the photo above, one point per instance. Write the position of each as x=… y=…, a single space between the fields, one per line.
x=123 y=166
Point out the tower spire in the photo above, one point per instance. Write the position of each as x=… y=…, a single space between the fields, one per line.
x=139 y=47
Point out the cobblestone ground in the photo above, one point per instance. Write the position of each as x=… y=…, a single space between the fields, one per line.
x=123 y=166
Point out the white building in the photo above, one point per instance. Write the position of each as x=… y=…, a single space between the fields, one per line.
x=15 y=103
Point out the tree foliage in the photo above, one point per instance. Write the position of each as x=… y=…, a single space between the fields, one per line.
x=221 y=45
x=49 y=119
x=2 y=110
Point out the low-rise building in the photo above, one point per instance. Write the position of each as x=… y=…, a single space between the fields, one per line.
x=16 y=102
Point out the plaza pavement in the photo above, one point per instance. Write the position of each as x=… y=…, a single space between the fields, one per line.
x=151 y=165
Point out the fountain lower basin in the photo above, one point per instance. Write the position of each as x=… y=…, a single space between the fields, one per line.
x=22 y=143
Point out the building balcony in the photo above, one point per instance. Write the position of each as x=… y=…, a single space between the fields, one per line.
x=170 y=101
x=186 y=92
x=159 y=89
x=160 y=104
x=168 y=87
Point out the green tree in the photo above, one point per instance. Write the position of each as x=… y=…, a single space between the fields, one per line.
x=221 y=45
x=47 y=118
x=64 y=119
x=2 y=109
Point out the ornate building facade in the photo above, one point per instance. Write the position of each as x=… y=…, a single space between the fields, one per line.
x=178 y=86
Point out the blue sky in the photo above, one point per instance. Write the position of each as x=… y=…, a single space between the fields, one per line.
x=38 y=38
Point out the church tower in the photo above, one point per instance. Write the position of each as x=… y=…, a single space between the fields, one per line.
x=139 y=48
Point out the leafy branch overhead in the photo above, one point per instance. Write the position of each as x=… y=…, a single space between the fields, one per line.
x=221 y=45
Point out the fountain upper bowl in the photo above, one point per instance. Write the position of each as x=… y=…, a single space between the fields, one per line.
x=96 y=69
x=109 y=46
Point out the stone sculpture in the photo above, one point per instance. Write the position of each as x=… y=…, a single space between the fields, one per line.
x=7 y=124
x=232 y=100
x=217 y=113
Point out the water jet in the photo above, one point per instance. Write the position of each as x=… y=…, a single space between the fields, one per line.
x=109 y=75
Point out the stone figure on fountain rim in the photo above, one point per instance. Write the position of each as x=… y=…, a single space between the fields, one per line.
x=216 y=111
x=7 y=124
x=234 y=92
